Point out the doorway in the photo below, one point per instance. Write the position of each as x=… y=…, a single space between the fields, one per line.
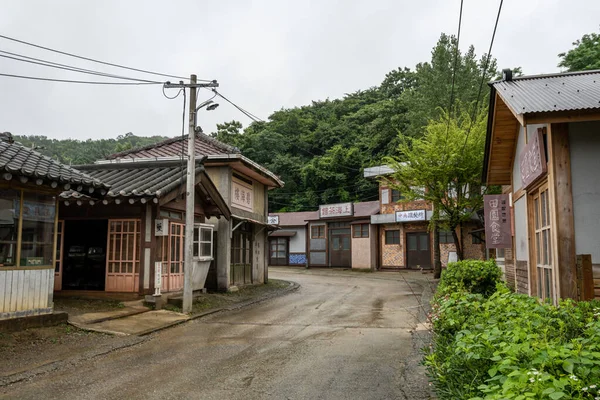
x=278 y=251
x=340 y=252
x=418 y=250
x=84 y=255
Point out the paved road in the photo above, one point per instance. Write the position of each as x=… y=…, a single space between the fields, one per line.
x=340 y=336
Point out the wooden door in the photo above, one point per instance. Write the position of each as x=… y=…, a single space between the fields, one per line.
x=173 y=249
x=340 y=251
x=418 y=250
x=58 y=263
x=542 y=227
x=123 y=255
x=278 y=251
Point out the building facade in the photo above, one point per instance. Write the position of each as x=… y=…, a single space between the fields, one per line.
x=241 y=253
x=30 y=184
x=542 y=146
x=405 y=240
x=287 y=245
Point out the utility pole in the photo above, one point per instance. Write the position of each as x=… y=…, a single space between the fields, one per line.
x=188 y=260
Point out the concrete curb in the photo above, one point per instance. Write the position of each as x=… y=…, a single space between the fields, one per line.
x=55 y=365
x=291 y=287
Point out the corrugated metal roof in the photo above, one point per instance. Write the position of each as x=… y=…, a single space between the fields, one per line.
x=19 y=160
x=556 y=92
x=295 y=218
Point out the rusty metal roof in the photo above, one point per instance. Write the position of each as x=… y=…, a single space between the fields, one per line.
x=556 y=92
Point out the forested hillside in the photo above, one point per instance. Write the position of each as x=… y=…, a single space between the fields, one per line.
x=72 y=151
x=320 y=149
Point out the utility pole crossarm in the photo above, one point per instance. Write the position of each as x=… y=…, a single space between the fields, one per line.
x=169 y=85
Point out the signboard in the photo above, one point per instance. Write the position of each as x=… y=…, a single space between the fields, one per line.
x=497 y=221
x=532 y=160
x=409 y=216
x=157 y=277
x=242 y=195
x=336 y=210
x=273 y=219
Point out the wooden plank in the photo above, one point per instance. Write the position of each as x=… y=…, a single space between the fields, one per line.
x=7 y=290
x=27 y=290
x=36 y=289
x=587 y=276
x=49 y=289
x=2 y=289
x=43 y=290
x=558 y=117
x=14 y=291
x=562 y=211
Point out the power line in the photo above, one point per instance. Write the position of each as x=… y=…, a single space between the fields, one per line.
x=456 y=50
x=246 y=113
x=483 y=73
x=37 y=78
x=51 y=64
x=92 y=59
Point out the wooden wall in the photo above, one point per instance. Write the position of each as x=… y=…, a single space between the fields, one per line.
x=25 y=292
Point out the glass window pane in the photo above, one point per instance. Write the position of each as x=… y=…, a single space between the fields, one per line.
x=335 y=243
x=38 y=229
x=206 y=234
x=424 y=242
x=345 y=243
x=545 y=246
x=536 y=203
x=548 y=283
x=196 y=254
x=540 y=282
x=206 y=249
x=412 y=242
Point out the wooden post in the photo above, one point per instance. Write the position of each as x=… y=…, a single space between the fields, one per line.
x=585 y=277
x=562 y=210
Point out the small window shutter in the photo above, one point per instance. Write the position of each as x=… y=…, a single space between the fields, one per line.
x=385 y=196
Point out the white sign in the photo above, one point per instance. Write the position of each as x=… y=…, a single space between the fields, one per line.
x=336 y=210
x=273 y=219
x=157 y=277
x=409 y=216
x=452 y=257
x=242 y=195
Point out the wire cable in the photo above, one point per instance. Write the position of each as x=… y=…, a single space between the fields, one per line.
x=37 y=78
x=246 y=113
x=456 y=50
x=94 y=60
x=483 y=73
x=45 y=63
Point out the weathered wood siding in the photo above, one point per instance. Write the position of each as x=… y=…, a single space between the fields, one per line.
x=522 y=275
x=25 y=292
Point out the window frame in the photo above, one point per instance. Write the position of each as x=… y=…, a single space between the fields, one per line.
x=395 y=196
x=320 y=231
x=542 y=245
x=360 y=231
x=445 y=235
x=393 y=237
x=197 y=244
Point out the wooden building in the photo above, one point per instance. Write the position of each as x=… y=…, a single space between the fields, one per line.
x=287 y=246
x=543 y=147
x=30 y=184
x=403 y=230
x=241 y=253
x=121 y=242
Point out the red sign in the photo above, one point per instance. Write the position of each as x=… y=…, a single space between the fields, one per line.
x=497 y=221
x=532 y=160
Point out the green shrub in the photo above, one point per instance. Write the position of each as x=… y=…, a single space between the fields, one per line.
x=473 y=276
x=512 y=346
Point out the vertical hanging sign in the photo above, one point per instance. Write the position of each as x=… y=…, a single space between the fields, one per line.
x=532 y=160
x=497 y=221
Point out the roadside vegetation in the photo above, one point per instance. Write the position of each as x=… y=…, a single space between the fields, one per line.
x=490 y=343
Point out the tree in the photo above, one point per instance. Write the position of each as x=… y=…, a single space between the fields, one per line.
x=585 y=55
x=444 y=167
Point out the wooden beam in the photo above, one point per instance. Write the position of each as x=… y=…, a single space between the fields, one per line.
x=561 y=209
x=556 y=117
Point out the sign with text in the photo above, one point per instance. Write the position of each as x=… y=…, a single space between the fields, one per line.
x=336 y=210
x=497 y=221
x=410 y=216
x=532 y=160
x=241 y=195
x=273 y=219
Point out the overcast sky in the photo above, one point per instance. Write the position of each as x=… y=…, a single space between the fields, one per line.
x=266 y=55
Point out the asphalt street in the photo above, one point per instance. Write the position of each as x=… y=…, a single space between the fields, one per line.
x=340 y=336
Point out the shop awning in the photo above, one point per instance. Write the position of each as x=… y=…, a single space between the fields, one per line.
x=244 y=219
x=283 y=234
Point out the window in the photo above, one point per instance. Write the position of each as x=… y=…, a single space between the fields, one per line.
x=203 y=241
x=475 y=238
x=392 y=237
x=37 y=236
x=543 y=243
x=360 y=231
x=396 y=196
x=171 y=214
x=9 y=226
x=446 y=237
x=317 y=232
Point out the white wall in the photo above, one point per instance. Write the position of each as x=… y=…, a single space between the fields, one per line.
x=297 y=242
x=584 y=141
x=25 y=292
x=516 y=180
x=521 y=234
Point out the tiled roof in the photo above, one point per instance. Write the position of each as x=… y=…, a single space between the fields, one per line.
x=18 y=160
x=557 y=92
x=138 y=179
x=295 y=218
x=205 y=146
